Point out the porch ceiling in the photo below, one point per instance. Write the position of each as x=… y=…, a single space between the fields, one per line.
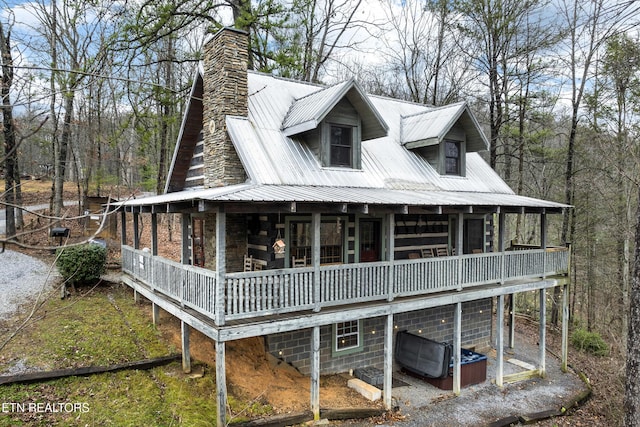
x=245 y=197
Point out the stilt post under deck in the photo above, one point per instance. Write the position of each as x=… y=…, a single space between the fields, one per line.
x=221 y=384
x=512 y=320
x=155 y=313
x=565 y=328
x=543 y=330
x=186 y=352
x=388 y=362
x=457 y=347
x=315 y=372
x=500 y=342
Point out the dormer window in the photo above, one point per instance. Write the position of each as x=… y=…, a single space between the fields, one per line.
x=341 y=146
x=452 y=157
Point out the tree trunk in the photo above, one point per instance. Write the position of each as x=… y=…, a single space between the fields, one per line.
x=632 y=389
x=8 y=130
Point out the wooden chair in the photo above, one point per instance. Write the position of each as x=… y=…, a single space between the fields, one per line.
x=298 y=262
x=257 y=266
x=248 y=263
x=427 y=253
x=442 y=251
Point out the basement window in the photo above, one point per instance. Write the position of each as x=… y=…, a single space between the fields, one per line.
x=347 y=337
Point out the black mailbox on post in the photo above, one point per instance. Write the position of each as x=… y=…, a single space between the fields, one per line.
x=60 y=233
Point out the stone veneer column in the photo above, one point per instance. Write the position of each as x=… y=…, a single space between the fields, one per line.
x=225 y=93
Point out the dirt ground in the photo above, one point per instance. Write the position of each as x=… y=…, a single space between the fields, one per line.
x=256 y=375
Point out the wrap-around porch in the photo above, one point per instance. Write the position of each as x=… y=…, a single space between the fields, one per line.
x=228 y=305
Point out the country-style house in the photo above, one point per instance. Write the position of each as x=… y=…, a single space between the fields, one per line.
x=325 y=220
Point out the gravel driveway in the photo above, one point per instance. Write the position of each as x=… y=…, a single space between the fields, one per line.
x=22 y=277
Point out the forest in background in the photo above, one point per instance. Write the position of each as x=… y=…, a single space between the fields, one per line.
x=93 y=92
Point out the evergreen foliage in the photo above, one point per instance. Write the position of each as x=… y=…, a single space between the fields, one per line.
x=591 y=342
x=81 y=264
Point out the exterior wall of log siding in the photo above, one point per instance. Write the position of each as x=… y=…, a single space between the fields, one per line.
x=436 y=324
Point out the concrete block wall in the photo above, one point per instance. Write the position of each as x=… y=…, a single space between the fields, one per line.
x=436 y=323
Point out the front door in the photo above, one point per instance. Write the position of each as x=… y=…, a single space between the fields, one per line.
x=370 y=241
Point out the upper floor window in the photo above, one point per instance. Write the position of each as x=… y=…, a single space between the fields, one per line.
x=452 y=158
x=341 y=146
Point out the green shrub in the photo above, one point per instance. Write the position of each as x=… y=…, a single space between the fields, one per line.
x=591 y=342
x=82 y=264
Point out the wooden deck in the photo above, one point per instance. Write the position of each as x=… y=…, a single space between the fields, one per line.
x=250 y=296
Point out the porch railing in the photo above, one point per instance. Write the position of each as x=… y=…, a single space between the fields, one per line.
x=260 y=293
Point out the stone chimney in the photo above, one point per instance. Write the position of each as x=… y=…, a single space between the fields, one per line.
x=225 y=93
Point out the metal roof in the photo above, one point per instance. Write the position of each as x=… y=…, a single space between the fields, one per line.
x=284 y=168
x=347 y=195
x=431 y=127
x=307 y=112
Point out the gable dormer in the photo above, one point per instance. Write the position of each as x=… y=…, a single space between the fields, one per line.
x=443 y=136
x=335 y=121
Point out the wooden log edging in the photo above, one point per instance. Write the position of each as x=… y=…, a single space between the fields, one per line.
x=303 y=417
x=564 y=410
x=33 y=377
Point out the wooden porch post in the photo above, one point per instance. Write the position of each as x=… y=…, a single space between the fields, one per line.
x=154 y=234
x=186 y=351
x=391 y=244
x=457 y=347
x=123 y=228
x=388 y=361
x=543 y=230
x=185 y=220
x=502 y=224
x=221 y=266
x=221 y=384
x=500 y=342
x=136 y=231
x=315 y=256
x=315 y=372
x=459 y=247
x=542 y=349
x=565 y=328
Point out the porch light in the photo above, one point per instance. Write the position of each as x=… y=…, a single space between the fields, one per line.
x=278 y=246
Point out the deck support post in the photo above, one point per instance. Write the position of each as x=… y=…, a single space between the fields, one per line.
x=315 y=372
x=457 y=347
x=543 y=330
x=221 y=384
x=186 y=351
x=512 y=321
x=565 y=328
x=155 y=313
x=154 y=234
x=136 y=297
x=315 y=257
x=221 y=266
x=136 y=230
x=500 y=342
x=388 y=362
x=123 y=228
x=184 y=236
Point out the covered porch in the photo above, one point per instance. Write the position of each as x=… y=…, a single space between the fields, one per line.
x=227 y=303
